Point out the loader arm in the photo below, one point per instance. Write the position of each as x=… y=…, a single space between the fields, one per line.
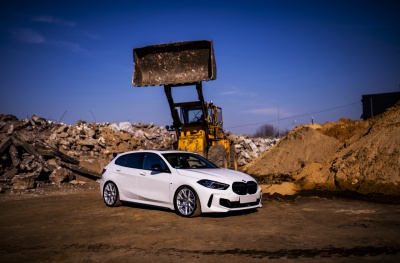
x=174 y=112
x=177 y=122
x=183 y=64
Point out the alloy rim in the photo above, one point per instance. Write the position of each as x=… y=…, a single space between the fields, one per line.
x=110 y=194
x=186 y=201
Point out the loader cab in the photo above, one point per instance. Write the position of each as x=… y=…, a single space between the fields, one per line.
x=191 y=115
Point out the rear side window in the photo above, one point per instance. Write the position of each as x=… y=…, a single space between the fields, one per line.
x=132 y=160
x=121 y=160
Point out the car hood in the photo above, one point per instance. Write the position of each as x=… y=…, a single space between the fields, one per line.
x=221 y=175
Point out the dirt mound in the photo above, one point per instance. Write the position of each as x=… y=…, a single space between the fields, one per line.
x=344 y=129
x=371 y=161
x=358 y=156
x=302 y=146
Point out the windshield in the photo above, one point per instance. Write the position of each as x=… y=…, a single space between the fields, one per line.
x=188 y=161
x=191 y=115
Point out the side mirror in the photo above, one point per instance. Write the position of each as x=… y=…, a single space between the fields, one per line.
x=157 y=167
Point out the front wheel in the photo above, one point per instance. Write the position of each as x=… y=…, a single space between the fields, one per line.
x=186 y=202
x=111 y=194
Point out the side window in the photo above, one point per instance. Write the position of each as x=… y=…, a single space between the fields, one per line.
x=134 y=160
x=121 y=160
x=152 y=160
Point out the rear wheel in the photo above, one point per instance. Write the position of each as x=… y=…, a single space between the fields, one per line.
x=186 y=202
x=217 y=155
x=111 y=194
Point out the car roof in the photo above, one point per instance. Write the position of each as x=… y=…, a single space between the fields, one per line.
x=153 y=151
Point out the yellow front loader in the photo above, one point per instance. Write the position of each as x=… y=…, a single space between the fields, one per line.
x=198 y=124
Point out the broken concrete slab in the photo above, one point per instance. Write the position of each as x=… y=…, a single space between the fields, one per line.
x=61 y=175
x=24 y=181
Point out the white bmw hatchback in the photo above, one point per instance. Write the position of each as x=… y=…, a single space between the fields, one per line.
x=178 y=180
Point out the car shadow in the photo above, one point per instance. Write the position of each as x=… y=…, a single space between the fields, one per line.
x=205 y=215
x=230 y=213
x=147 y=207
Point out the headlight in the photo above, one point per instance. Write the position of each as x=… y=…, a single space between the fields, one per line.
x=213 y=184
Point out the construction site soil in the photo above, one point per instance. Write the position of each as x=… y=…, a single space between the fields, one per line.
x=320 y=185
x=360 y=157
x=70 y=223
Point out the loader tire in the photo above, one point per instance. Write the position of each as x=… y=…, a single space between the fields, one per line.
x=217 y=155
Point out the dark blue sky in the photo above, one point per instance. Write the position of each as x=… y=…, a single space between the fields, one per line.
x=278 y=62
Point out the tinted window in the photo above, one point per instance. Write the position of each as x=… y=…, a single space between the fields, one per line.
x=151 y=160
x=188 y=161
x=121 y=160
x=134 y=160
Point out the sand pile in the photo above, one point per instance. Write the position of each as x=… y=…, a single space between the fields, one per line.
x=370 y=163
x=358 y=156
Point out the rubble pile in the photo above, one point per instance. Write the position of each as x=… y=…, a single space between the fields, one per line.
x=248 y=149
x=96 y=139
x=93 y=144
x=36 y=151
x=26 y=160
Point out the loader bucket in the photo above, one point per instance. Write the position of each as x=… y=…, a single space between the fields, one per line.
x=174 y=63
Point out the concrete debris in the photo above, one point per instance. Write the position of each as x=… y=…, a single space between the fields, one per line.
x=61 y=175
x=75 y=182
x=28 y=160
x=126 y=126
x=23 y=181
x=248 y=149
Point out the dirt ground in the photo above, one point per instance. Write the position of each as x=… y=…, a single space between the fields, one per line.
x=70 y=223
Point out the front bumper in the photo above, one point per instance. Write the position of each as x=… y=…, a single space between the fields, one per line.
x=224 y=202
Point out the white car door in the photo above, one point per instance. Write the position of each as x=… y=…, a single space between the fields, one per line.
x=153 y=181
x=127 y=167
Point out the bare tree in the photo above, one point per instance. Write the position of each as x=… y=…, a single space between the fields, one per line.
x=269 y=131
x=266 y=130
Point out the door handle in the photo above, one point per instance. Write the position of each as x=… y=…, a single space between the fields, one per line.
x=118 y=170
x=142 y=173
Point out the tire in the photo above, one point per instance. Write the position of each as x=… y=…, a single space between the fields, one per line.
x=111 y=194
x=217 y=155
x=186 y=202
